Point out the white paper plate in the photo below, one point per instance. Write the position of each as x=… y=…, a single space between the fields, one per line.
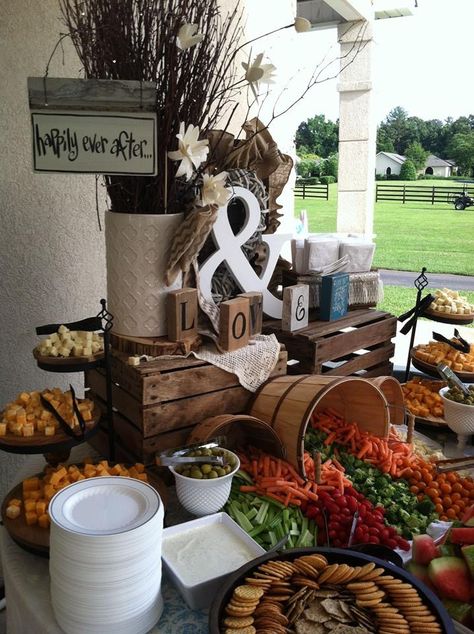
x=104 y=506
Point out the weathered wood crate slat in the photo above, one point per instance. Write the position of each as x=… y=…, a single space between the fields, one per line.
x=359 y=343
x=159 y=402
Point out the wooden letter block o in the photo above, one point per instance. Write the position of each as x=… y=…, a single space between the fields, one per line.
x=295 y=307
x=234 y=327
x=182 y=314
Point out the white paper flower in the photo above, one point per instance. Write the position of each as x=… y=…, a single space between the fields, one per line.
x=213 y=191
x=191 y=152
x=188 y=36
x=256 y=72
x=302 y=25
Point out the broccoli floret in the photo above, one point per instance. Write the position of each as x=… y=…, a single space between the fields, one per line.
x=425 y=507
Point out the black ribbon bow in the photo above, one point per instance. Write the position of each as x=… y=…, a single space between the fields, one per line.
x=414 y=313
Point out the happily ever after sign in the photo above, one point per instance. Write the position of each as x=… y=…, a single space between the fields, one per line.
x=93 y=126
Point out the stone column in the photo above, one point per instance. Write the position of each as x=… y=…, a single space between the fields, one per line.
x=357 y=130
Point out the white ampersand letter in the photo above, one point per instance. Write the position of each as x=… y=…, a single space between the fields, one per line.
x=229 y=251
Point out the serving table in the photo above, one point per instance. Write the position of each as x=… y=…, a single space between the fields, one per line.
x=26 y=578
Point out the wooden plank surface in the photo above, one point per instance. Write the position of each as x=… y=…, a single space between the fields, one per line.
x=364 y=361
x=143 y=448
x=338 y=345
x=316 y=329
x=161 y=417
x=91 y=94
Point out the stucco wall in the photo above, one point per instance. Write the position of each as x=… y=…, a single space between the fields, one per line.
x=52 y=253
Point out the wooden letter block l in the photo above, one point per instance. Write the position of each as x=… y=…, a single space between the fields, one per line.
x=182 y=314
x=234 y=326
x=295 y=307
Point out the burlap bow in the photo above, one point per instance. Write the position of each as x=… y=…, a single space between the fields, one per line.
x=258 y=152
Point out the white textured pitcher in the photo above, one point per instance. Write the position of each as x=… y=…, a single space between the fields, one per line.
x=137 y=250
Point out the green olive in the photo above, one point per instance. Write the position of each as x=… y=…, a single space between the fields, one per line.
x=206 y=468
x=212 y=474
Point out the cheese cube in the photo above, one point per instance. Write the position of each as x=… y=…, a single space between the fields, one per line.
x=24 y=397
x=43 y=520
x=77 y=351
x=63 y=351
x=31 y=518
x=68 y=343
x=49 y=430
x=16 y=428
x=30 y=506
x=62 y=329
x=87 y=351
x=54 y=338
x=12 y=512
x=3 y=429
x=28 y=429
x=21 y=416
x=53 y=352
x=15 y=502
x=57 y=476
x=41 y=506
x=48 y=491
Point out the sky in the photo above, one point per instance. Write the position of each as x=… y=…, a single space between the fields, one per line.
x=422 y=62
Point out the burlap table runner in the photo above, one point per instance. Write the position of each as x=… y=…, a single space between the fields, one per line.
x=252 y=364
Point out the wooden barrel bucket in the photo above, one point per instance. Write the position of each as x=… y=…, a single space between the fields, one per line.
x=287 y=402
x=392 y=391
x=240 y=430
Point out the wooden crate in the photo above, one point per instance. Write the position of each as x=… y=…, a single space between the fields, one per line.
x=359 y=343
x=158 y=403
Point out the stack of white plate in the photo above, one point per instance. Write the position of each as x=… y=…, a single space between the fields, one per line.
x=105 y=556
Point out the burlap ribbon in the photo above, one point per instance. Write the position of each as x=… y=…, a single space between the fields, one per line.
x=258 y=153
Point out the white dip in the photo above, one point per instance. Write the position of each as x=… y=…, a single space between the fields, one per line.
x=205 y=552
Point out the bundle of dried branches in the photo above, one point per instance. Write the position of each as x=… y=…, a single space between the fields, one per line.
x=136 y=39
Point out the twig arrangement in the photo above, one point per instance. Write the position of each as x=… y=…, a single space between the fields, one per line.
x=136 y=39
x=199 y=85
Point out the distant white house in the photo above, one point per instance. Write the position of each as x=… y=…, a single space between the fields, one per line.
x=388 y=163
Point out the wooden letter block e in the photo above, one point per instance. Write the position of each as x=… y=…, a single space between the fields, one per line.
x=181 y=314
x=234 y=326
x=295 y=307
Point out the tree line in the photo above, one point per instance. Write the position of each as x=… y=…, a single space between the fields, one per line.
x=409 y=136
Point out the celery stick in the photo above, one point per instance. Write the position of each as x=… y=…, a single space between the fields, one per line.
x=251 y=514
x=262 y=513
x=273 y=538
x=243 y=521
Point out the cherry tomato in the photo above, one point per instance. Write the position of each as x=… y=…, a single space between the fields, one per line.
x=445 y=488
x=447 y=502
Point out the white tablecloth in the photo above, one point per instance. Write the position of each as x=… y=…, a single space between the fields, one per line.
x=26 y=579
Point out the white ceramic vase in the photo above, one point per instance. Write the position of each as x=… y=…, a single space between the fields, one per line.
x=137 y=250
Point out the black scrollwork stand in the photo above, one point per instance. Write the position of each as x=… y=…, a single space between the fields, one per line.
x=101 y=322
x=420 y=283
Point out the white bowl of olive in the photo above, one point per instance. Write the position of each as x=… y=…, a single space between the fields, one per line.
x=203 y=488
x=458 y=409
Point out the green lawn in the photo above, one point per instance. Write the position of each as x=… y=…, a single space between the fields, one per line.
x=409 y=236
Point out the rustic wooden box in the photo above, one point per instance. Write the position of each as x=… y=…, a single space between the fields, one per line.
x=359 y=343
x=159 y=402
